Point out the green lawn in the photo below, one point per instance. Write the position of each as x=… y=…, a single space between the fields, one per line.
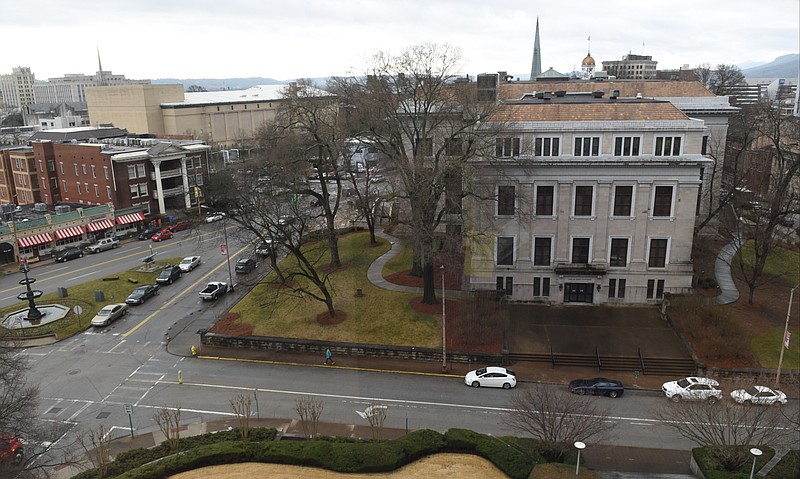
x=767 y=348
x=379 y=317
x=781 y=262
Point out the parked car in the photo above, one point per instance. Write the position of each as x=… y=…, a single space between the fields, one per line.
x=148 y=232
x=103 y=244
x=492 y=377
x=265 y=249
x=170 y=273
x=69 y=254
x=11 y=450
x=245 y=265
x=142 y=293
x=693 y=389
x=189 y=263
x=109 y=314
x=597 y=387
x=179 y=226
x=162 y=235
x=761 y=395
x=214 y=290
x=214 y=217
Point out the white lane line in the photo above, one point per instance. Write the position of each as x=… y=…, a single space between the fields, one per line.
x=79 y=411
x=82 y=276
x=116 y=345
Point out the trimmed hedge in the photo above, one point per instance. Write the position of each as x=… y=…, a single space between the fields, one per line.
x=711 y=469
x=515 y=457
x=788 y=467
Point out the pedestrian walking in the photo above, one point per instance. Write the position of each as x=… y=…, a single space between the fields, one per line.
x=329 y=356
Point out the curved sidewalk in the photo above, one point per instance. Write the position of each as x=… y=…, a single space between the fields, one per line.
x=375 y=271
x=722 y=272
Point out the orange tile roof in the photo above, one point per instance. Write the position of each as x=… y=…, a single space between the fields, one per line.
x=590 y=111
x=627 y=89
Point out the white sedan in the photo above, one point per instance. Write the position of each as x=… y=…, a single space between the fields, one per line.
x=492 y=377
x=759 y=395
x=215 y=217
x=189 y=263
x=693 y=389
x=109 y=314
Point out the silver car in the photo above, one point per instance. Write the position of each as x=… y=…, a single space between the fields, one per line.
x=109 y=314
x=693 y=389
x=761 y=395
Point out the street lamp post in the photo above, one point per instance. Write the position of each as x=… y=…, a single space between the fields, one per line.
x=755 y=452
x=783 y=338
x=227 y=251
x=444 y=330
x=579 y=446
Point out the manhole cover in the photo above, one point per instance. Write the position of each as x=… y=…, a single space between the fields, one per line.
x=103 y=415
x=73 y=372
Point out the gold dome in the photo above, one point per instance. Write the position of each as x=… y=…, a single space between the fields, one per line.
x=588 y=60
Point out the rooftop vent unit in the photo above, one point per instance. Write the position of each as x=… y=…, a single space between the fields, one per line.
x=40 y=207
x=546 y=95
x=62 y=209
x=560 y=93
x=597 y=94
x=639 y=96
x=614 y=94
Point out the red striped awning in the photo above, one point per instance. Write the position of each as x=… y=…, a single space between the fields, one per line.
x=128 y=219
x=70 y=232
x=34 y=240
x=100 y=225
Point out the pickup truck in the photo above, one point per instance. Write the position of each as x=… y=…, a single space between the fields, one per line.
x=103 y=244
x=214 y=290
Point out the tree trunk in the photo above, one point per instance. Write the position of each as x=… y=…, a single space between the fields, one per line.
x=416 y=265
x=428 y=285
x=371 y=227
x=333 y=246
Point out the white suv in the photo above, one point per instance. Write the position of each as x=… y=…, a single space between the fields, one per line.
x=693 y=389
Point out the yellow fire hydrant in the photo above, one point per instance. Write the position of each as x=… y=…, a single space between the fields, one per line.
x=194 y=350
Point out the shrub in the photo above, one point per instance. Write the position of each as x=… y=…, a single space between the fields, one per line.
x=713 y=460
x=420 y=443
x=505 y=453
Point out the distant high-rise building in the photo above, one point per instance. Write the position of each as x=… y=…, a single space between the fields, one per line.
x=72 y=86
x=536 y=64
x=16 y=88
x=631 y=67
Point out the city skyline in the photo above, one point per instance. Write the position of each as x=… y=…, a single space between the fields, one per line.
x=154 y=40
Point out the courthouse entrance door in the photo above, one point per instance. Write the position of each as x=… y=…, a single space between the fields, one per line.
x=578 y=292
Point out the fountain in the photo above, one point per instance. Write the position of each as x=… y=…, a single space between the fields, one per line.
x=34 y=315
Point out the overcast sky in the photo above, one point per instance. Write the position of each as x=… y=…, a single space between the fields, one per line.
x=151 y=39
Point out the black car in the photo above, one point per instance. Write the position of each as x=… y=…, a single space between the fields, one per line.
x=171 y=273
x=245 y=265
x=148 y=233
x=69 y=254
x=140 y=294
x=597 y=387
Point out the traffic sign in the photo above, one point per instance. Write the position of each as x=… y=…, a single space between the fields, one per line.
x=78 y=309
x=129 y=409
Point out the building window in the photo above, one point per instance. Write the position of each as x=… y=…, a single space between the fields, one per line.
x=662 y=201
x=143 y=189
x=76 y=172
x=655 y=289
x=541 y=286
x=542 y=248
x=658 y=253
x=580 y=250
x=453 y=147
x=704 y=147
x=547 y=146
x=140 y=171
x=83 y=168
x=64 y=185
x=587 y=146
x=94 y=172
x=505 y=251
x=108 y=192
x=78 y=187
x=626 y=145
x=198 y=180
x=619 y=252
x=105 y=172
x=623 y=200
x=507 y=147
x=131 y=172
x=86 y=188
x=583 y=200
x=134 y=191
x=544 y=200
x=96 y=191
x=505 y=200
x=507 y=288
x=668 y=146
x=61 y=166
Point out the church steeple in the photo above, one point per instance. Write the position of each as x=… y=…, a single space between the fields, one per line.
x=536 y=64
x=100 y=79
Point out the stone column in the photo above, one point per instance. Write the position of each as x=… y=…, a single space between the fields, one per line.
x=159 y=187
x=187 y=197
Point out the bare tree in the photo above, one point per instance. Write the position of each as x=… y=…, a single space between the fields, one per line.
x=722 y=79
x=557 y=418
x=428 y=125
x=241 y=405
x=169 y=422
x=376 y=417
x=773 y=172
x=309 y=409
x=95 y=444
